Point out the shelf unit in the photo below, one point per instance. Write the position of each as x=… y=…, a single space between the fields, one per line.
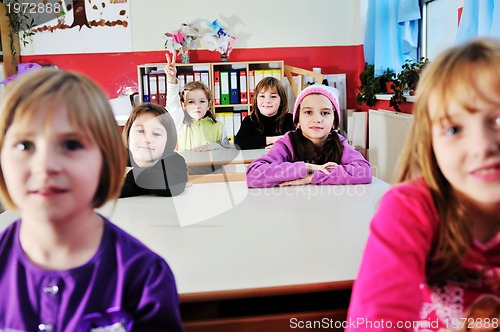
x=259 y=69
x=143 y=72
x=232 y=110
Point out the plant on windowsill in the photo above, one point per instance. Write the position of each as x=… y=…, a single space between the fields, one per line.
x=406 y=81
x=371 y=85
x=387 y=80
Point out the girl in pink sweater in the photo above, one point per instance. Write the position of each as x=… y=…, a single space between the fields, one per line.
x=314 y=153
x=434 y=247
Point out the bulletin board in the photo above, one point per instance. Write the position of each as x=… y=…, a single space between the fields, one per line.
x=99 y=26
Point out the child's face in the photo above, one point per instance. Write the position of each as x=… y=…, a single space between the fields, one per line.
x=147 y=139
x=52 y=176
x=196 y=103
x=316 y=118
x=268 y=102
x=467 y=150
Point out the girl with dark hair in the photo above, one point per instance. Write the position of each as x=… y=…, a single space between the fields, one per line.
x=314 y=153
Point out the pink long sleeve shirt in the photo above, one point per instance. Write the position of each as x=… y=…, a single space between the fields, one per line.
x=391 y=293
x=277 y=166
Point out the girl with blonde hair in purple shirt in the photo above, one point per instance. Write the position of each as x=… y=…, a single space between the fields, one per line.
x=64 y=267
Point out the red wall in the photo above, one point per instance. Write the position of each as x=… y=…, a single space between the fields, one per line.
x=117 y=72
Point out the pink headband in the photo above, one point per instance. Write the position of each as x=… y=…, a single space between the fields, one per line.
x=329 y=92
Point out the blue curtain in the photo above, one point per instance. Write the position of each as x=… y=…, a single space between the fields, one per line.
x=391 y=33
x=480 y=18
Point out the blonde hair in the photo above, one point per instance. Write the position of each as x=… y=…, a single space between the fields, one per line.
x=453 y=76
x=196 y=85
x=88 y=110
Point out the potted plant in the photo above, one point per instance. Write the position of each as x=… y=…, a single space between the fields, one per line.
x=387 y=80
x=406 y=81
x=370 y=86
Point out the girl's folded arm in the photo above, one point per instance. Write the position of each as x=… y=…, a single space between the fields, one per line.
x=354 y=169
x=275 y=167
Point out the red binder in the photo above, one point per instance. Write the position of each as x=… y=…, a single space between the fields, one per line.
x=243 y=87
x=162 y=89
x=217 y=87
x=197 y=76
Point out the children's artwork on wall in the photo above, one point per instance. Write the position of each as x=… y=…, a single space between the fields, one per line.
x=84 y=26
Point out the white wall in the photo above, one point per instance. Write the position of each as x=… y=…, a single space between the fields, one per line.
x=257 y=23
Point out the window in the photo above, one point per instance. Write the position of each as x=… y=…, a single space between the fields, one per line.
x=439 y=25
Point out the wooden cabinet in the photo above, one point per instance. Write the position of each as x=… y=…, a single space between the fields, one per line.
x=10 y=44
x=231 y=83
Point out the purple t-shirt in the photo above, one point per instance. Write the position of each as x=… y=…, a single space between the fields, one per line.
x=124 y=286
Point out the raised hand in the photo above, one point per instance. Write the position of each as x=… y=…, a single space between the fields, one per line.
x=170 y=69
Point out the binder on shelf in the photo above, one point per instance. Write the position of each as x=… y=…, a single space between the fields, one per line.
x=145 y=88
x=189 y=77
x=251 y=84
x=236 y=122
x=243 y=115
x=224 y=88
x=197 y=76
x=205 y=78
x=216 y=87
x=234 y=93
x=162 y=89
x=153 y=87
x=268 y=73
x=259 y=74
x=228 y=124
x=182 y=81
x=219 y=117
x=243 y=87
x=276 y=73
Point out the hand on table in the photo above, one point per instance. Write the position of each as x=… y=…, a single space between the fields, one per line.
x=311 y=168
x=298 y=182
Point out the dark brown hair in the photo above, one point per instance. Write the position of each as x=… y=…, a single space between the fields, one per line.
x=165 y=119
x=305 y=150
x=274 y=85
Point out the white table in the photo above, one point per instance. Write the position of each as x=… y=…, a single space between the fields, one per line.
x=226 y=243
x=221 y=156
